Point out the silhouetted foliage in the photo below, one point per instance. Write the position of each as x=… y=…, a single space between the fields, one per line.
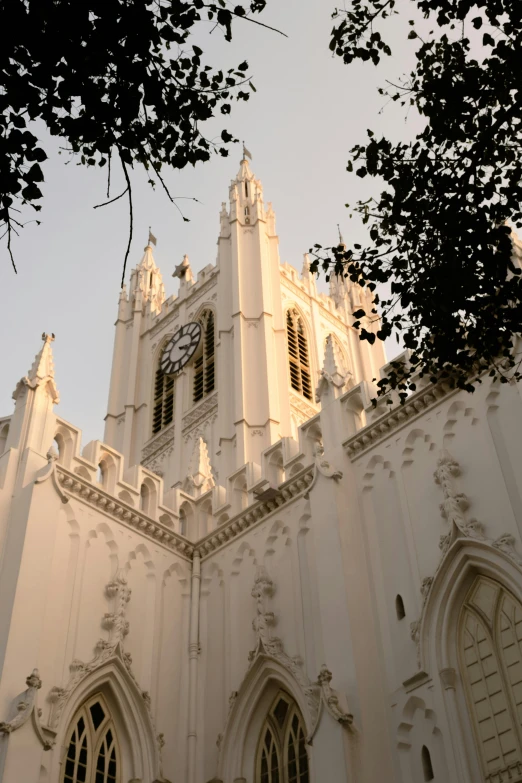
x=113 y=78
x=437 y=232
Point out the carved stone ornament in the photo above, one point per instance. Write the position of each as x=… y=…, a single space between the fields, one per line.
x=455 y=503
x=25 y=707
x=323 y=468
x=453 y=509
x=116 y=623
x=318 y=694
x=50 y=472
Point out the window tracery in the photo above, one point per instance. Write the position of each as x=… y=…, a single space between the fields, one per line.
x=282 y=756
x=204 y=363
x=298 y=358
x=92 y=754
x=490 y=647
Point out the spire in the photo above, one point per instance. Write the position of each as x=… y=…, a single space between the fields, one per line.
x=246 y=194
x=146 y=279
x=41 y=372
x=199 y=477
x=333 y=375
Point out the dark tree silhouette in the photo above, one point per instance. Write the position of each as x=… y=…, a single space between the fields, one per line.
x=438 y=232
x=116 y=79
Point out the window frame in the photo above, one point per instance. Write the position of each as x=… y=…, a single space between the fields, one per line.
x=298 y=355
x=96 y=737
x=281 y=734
x=491 y=626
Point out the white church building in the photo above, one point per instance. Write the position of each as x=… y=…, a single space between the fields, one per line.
x=257 y=576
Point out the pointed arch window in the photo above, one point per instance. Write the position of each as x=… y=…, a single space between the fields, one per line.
x=205 y=361
x=163 y=409
x=281 y=755
x=92 y=754
x=298 y=357
x=490 y=653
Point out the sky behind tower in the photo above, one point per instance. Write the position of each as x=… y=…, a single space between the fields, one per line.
x=308 y=111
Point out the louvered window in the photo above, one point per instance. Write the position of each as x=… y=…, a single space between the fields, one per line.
x=281 y=755
x=92 y=754
x=491 y=662
x=298 y=359
x=205 y=362
x=163 y=411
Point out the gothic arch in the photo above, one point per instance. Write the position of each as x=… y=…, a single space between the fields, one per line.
x=299 y=352
x=132 y=720
x=462 y=563
x=439 y=635
x=258 y=690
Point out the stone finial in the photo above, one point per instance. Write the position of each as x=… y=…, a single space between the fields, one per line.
x=333 y=375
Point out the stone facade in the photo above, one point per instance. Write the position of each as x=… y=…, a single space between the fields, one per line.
x=365 y=562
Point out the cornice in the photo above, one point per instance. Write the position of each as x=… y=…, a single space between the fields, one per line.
x=123 y=513
x=256 y=513
x=395 y=419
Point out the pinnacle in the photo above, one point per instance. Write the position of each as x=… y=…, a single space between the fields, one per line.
x=42 y=370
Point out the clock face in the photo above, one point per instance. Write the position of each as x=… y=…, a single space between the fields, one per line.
x=180 y=349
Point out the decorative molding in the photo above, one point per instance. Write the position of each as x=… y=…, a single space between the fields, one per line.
x=506 y=544
x=455 y=503
x=165 y=322
x=25 y=707
x=426 y=587
x=118 y=592
x=158 y=442
x=255 y=513
x=121 y=512
x=257 y=432
x=301 y=406
x=116 y=623
x=50 y=472
x=323 y=466
x=202 y=411
x=201 y=430
x=319 y=695
x=397 y=417
x=453 y=509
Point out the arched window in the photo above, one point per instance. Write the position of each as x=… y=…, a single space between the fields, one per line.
x=163 y=409
x=298 y=359
x=490 y=652
x=399 y=608
x=204 y=363
x=92 y=752
x=281 y=752
x=426 y=764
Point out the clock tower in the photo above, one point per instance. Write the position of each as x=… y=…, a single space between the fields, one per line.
x=206 y=381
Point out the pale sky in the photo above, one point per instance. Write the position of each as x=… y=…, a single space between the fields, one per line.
x=309 y=110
